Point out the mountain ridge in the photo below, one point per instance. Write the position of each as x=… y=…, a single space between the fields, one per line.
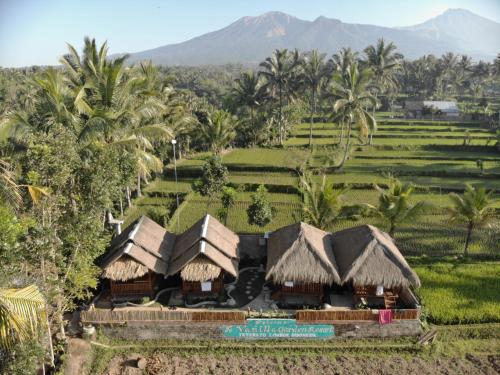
x=250 y=39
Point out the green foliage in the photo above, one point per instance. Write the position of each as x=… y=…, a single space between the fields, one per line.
x=322 y=203
x=228 y=198
x=394 y=204
x=260 y=211
x=474 y=207
x=214 y=177
x=11 y=232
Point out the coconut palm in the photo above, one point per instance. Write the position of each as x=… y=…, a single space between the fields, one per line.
x=474 y=207
x=385 y=63
x=322 y=203
x=22 y=313
x=278 y=71
x=249 y=93
x=354 y=98
x=218 y=130
x=394 y=204
x=313 y=73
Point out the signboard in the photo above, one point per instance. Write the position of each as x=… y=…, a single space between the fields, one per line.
x=278 y=329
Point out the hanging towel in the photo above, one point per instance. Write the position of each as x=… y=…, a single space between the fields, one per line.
x=385 y=316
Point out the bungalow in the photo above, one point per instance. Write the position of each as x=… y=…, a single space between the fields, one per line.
x=145 y=253
x=431 y=109
x=135 y=258
x=300 y=263
x=203 y=256
x=370 y=263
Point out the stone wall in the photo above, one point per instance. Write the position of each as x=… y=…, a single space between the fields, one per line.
x=192 y=331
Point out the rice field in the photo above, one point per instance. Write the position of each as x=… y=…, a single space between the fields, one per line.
x=427 y=168
x=458 y=292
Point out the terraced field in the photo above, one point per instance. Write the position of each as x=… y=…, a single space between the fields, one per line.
x=431 y=155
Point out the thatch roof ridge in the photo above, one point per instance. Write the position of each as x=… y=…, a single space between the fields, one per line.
x=287 y=243
x=211 y=230
x=368 y=256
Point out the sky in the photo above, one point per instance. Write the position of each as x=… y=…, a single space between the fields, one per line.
x=35 y=32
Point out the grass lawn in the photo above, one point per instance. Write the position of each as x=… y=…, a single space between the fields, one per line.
x=457 y=291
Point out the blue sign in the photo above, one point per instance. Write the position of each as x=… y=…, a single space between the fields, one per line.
x=278 y=329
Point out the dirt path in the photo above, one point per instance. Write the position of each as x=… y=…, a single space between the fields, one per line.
x=78 y=351
x=162 y=363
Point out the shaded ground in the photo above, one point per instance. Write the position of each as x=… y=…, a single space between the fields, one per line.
x=78 y=350
x=248 y=286
x=162 y=363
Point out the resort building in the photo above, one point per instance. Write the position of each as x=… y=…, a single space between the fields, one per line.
x=373 y=268
x=431 y=109
x=300 y=264
x=204 y=255
x=136 y=258
x=145 y=254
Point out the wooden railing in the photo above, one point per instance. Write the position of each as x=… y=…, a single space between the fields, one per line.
x=302 y=289
x=353 y=315
x=101 y=316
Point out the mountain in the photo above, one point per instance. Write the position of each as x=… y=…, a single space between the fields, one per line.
x=250 y=39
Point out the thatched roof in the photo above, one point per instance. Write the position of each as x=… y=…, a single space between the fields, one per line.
x=200 y=269
x=123 y=269
x=145 y=242
x=301 y=253
x=211 y=230
x=367 y=256
x=207 y=237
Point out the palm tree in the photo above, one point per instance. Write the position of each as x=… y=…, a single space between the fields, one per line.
x=313 y=73
x=322 y=203
x=385 y=62
x=10 y=191
x=475 y=208
x=278 y=72
x=218 y=130
x=22 y=313
x=394 y=204
x=354 y=98
x=249 y=93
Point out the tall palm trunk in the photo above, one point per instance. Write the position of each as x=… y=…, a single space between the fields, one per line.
x=280 y=120
x=346 y=150
x=313 y=112
x=139 y=192
x=470 y=226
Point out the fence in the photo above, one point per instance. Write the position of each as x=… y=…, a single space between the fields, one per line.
x=101 y=316
x=325 y=316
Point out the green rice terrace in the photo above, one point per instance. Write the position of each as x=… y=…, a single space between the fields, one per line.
x=436 y=168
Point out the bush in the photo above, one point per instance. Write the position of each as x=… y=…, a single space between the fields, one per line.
x=260 y=211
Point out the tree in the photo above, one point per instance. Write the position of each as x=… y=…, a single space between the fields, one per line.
x=213 y=179
x=278 y=71
x=394 y=204
x=218 y=130
x=260 y=211
x=22 y=313
x=228 y=198
x=475 y=208
x=313 y=73
x=384 y=62
x=249 y=93
x=322 y=203
x=354 y=97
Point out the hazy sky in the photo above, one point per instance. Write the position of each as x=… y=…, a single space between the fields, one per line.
x=34 y=32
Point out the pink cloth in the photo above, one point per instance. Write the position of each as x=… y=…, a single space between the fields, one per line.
x=385 y=316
